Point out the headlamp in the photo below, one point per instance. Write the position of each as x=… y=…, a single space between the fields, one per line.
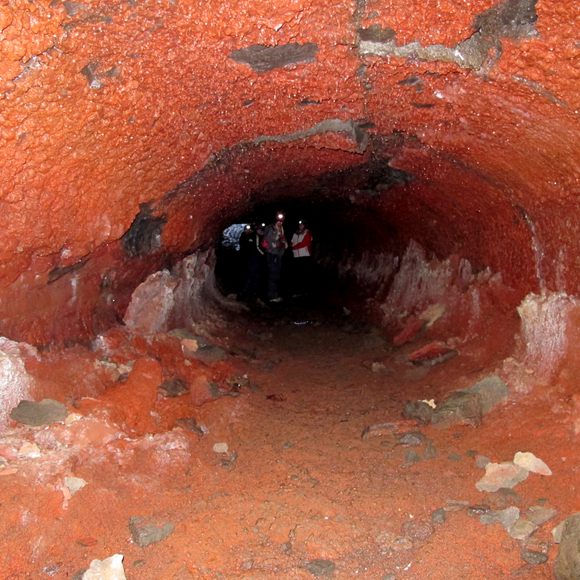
x=280 y=217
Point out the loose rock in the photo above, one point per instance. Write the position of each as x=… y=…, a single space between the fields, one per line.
x=145 y=532
x=411 y=439
x=532 y=463
x=540 y=515
x=481 y=461
x=568 y=561
x=439 y=516
x=534 y=558
x=461 y=407
x=507 y=517
x=108 y=569
x=498 y=475
x=40 y=413
x=320 y=567
x=378 y=430
x=220 y=448
x=492 y=391
x=418 y=530
x=522 y=529
x=418 y=410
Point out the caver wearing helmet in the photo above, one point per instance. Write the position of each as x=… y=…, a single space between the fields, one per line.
x=275 y=244
x=302 y=263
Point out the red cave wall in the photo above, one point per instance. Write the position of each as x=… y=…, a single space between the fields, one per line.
x=108 y=105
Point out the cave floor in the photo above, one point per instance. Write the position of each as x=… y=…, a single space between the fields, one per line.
x=299 y=492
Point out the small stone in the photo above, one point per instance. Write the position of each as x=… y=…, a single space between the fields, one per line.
x=534 y=558
x=109 y=569
x=498 y=475
x=74 y=484
x=454 y=457
x=478 y=510
x=389 y=577
x=418 y=530
x=506 y=517
x=540 y=515
x=471 y=453
x=412 y=438
x=439 y=516
x=481 y=461
x=220 y=448
x=522 y=529
x=418 y=410
x=378 y=430
x=568 y=560
x=145 y=532
x=229 y=460
x=320 y=567
x=532 y=463
x=40 y=413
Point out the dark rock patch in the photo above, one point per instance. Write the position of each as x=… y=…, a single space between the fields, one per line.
x=376 y=33
x=510 y=19
x=266 y=58
x=460 y=407
x=418 y=410
x=173 y=388
x=320 y=568
x=144 y=235
x=40 y=413
x=146 y=532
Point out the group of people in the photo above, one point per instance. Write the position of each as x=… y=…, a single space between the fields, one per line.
x=257 y=242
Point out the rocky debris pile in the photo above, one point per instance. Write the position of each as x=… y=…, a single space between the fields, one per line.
x=466 y=406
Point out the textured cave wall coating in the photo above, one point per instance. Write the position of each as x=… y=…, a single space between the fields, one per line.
x=105 y=106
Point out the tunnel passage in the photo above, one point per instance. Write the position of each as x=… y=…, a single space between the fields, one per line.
x=443 y=140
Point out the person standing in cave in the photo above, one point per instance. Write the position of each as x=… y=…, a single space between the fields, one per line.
x=275 y=244
x=252 y=258
x=302 y=262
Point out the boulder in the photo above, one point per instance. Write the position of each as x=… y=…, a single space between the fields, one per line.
x=568 y=561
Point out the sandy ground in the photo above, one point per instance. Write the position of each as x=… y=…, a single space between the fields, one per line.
x=299 y=492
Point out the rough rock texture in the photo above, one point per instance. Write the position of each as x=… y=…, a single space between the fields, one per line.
x=568 y=562
x=133 y=132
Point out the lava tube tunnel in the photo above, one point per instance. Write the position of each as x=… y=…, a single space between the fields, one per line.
x=189 y=389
